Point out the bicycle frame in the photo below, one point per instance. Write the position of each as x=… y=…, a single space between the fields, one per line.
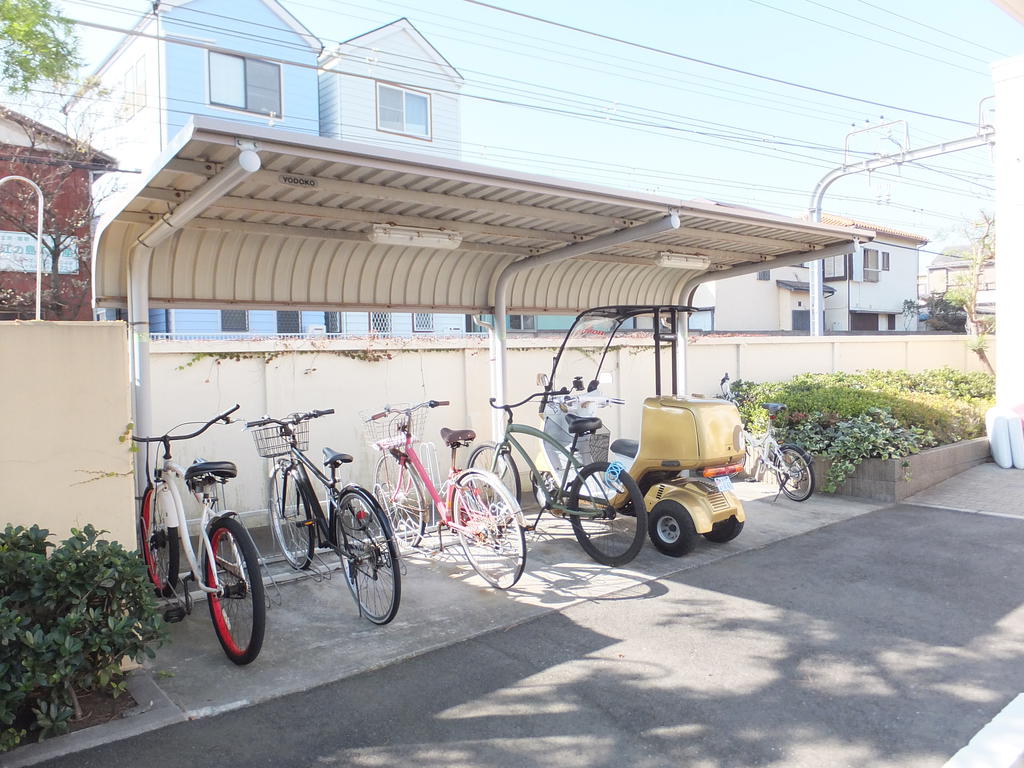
x=444 y=499
x=553 y=497
x=172 y=487
x=324 y=524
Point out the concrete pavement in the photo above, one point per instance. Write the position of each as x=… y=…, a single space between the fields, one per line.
x=314 y=637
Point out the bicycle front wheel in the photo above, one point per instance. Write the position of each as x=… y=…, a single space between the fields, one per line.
x=291 y=519
x=159 y=542
x=499 y=463
x=795 y=471
x=402 y=498
x=614 y=527
x=369 y=555
x=488 y=528
x=239 y=611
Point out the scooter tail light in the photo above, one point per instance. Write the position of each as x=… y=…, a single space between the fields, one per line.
x=728 y=469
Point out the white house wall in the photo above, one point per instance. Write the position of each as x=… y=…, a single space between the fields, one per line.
x=892 y=289
x=348 y=99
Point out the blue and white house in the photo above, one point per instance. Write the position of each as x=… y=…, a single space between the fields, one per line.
x=254 y=62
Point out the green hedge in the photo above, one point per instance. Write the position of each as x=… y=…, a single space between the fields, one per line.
x=67 y=619
x=890 y=413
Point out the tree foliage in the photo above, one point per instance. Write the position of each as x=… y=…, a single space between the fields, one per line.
x=37 y=44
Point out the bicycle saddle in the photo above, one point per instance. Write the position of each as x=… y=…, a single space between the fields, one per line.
x=773 y=408
x=581 y=425
x=334 y=459
x=200 y=469
x=455 y=437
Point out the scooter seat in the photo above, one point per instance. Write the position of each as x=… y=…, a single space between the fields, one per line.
x=625 y=447
x=581 y=425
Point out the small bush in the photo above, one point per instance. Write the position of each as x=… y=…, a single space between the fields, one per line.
x=874 y=414
x=66 y=622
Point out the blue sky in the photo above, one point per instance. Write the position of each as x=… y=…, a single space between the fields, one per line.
x=597 y=110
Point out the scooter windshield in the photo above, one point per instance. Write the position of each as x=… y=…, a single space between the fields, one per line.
x=583 y=350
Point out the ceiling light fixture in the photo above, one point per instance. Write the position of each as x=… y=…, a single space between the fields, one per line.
x=388 y=234
x=682 y=260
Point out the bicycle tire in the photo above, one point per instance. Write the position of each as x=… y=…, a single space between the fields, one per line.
x=291 y=520
x=401 y=496
x=502 y=466
x=795 y=472
x=239 y=613
x=159 y=545
x=369 y=555
x=489 y=529
x=615 y=539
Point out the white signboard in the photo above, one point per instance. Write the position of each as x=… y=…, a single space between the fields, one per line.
x=18 y=254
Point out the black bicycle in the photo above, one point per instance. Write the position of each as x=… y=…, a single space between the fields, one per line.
x=355 y=527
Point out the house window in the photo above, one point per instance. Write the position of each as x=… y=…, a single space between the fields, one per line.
x=835 y=267
x=234 y=321
x=885 y=261
x=871 y=265
x=380 y=323
x=522 y=323
x=332 y=322
x=134 y=89
x=242 y=83
x=422 y=322
x=764 y=275
x=403 y=111
x=289 y=322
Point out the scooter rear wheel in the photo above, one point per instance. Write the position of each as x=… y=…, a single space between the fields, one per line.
x=616 y=535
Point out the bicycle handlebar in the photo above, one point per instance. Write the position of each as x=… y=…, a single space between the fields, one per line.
x=428 y=404
x=168 y=437
x=509 y=406
x=292 y=418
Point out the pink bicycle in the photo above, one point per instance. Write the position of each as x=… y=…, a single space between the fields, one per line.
x=472 y=503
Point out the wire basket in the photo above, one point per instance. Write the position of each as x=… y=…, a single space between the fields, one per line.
x=272 y=440
x=391 y=429
x=594 y=447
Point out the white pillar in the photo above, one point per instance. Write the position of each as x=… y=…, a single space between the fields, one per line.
x=1009 y=160
x=138 y=351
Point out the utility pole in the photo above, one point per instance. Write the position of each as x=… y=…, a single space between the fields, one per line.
x=986 y=135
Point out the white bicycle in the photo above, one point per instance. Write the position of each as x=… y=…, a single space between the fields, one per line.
x=791 y=465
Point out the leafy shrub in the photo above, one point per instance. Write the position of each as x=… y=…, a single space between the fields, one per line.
x=66 y=623
x=874 y=414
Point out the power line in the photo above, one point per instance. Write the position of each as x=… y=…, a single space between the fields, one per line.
x=934 y=29
x=723 y=67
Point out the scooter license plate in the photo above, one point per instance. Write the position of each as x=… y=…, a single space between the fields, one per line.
x=724 y=484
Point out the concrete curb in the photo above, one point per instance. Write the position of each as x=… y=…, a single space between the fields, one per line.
x=153 y=710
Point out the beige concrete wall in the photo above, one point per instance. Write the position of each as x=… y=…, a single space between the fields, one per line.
x=65 y=400
x=195 y=382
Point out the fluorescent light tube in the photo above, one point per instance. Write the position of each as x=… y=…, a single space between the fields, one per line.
x=387 y=234
x=682 y=260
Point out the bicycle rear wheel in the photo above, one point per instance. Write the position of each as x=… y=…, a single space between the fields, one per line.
x=239 y=611
x=488 y=528
x=369 y=555
x=795 y=471
x=291 y=519
x=401 y=495
x=500 y=464
x=614 y=535
x=159 y=542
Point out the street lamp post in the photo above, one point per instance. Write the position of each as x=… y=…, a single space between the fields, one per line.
x=39 y=239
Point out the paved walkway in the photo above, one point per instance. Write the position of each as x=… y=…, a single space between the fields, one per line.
x=314 y=636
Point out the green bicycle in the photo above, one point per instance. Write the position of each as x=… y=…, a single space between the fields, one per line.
x=602 y=502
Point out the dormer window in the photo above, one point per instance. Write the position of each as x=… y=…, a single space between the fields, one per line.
x=403 y=111
x=247 y=84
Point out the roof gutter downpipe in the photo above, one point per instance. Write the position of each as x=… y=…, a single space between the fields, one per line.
x=664 y=224
x=139 y=259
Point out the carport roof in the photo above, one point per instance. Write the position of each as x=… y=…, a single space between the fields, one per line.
x=295 y=232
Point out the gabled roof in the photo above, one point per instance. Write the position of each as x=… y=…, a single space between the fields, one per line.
x=160 y=5
x=801 y=285
x=844 y=221
x=368 y=39
x=57 y=137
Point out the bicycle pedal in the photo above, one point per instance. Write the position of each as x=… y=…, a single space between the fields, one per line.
x=529 y=527
x=174 y=614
